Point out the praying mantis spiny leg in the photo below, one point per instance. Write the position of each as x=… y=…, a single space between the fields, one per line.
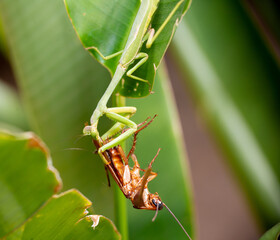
x=121 y=119
x=118 y=127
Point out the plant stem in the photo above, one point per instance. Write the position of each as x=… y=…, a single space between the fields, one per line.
x=119 y=199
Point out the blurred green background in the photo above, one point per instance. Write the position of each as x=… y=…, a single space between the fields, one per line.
x=224 y=67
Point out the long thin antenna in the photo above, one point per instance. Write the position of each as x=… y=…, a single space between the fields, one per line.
x=76 y=149
x=154 y=218
x=177 y=221
x=79 y=137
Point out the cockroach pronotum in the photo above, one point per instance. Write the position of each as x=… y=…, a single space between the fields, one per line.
x=132 y=184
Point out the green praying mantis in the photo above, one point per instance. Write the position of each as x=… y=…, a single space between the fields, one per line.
x=141 y=33
x=141 y=37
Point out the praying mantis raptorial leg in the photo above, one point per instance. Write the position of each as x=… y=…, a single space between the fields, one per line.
x=126 y=112
x=132 y=128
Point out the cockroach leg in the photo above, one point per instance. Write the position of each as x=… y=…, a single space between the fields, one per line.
x=142 y=123
x=122 y=154
x=126 y=175
x=136 y=164
x=138 y=200
x=148 y=176
x=136 y=168
x=107 y=175
x=136 y=133
x=151 y=163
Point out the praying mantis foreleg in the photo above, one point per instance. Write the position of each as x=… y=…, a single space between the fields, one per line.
x=121 y=119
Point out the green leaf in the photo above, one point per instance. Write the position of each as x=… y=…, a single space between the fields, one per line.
x=272 y=234
x=106 y=25
x=236 y=83
x=27 y=210
x=58 y=84
x=27 y=179
x=64 y=217
x=61 y=85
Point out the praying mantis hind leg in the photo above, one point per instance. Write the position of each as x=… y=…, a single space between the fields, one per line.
x=152 y=35
x=143 y=57
x=105 y=57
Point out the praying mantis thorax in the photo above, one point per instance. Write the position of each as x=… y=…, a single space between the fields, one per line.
x=138 y=30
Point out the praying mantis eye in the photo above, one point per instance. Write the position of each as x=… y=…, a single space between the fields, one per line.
x=157 y=203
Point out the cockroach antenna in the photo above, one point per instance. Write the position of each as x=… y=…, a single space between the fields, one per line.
x=154 y=218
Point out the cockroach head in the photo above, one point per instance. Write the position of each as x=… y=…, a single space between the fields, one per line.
x=156 y=201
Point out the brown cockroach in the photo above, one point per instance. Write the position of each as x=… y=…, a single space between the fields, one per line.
x=132 y=184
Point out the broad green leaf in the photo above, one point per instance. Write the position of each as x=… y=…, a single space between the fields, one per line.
x=27 y=179
x=106 y=25
x=11 y=111
x=27 y=208
x=64 y=217
x=57 y=81
x=61 y=86
x=236 y=82
x=272 y=234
